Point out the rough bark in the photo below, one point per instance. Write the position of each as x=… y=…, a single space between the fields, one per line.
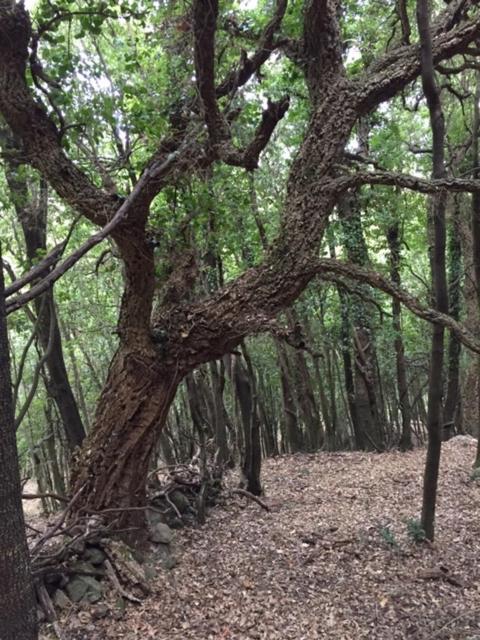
x=133 y=405
x=111 y=472
x=17 y=599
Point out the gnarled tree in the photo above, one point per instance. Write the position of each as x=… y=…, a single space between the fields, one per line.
x=161 y=340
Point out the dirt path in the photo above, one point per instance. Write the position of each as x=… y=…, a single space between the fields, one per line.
x=332 y=560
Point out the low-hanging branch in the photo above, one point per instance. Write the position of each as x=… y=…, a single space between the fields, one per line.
x=378 y=281
x=47 y=281
x=407 y=181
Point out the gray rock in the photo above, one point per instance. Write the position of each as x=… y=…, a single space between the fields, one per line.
x=139 y=556
x=84 y=589
x=161 y=533
x=150 y=573
x=61 y=600
x=160 y=552
x=94 y=590
x=100 y=611
x=180 y=500
x=176 y=523
x=86 y=568
x=154 y=517
x=94 y=555
x=76 y=589
x=169 y=563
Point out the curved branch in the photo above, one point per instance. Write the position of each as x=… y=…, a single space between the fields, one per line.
x=378 y=281
x=414 y=183
x=31 y=124
x=249 y=66
x=118 y=219
x=394 y=70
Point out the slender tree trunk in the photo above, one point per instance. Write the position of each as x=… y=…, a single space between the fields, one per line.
x=267 y=420
x=18 y=609
x=33 y=219
x=360 y=441
x=220 y=413
x=325 y=409
x=393 y=237
x=292 y=433
x=476 y=237
x=251 y=465
x=304 y=388
x=437 y=244
x=452 y=400
x=470 y=385
x=76 y=375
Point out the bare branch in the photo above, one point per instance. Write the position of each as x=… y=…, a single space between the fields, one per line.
x=38 y=271
x=249 y=66
x=414 y=183
x=375 y=279
x=394 y=70
x=153 y=173
x=205 y=13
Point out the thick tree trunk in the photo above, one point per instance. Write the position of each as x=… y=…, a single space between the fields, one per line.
x=112 y=471
x=18 y=609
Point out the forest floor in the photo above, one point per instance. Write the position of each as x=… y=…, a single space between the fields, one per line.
x=332 y=559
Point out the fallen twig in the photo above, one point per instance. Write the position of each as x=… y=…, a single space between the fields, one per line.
x=247 y=494
x=122 y=592
x=37 y=496
x=442 y=573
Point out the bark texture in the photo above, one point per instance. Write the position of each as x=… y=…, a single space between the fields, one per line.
x=157 y=350
x=18 y=610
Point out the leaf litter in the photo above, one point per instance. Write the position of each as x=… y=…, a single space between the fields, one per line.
x=333 y=559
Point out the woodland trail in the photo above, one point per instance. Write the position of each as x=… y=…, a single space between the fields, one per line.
x=332 y=560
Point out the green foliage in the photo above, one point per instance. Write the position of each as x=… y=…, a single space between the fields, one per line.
x=388 y=536
x=126 y=77
x=415 y=530
x=475 y=475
